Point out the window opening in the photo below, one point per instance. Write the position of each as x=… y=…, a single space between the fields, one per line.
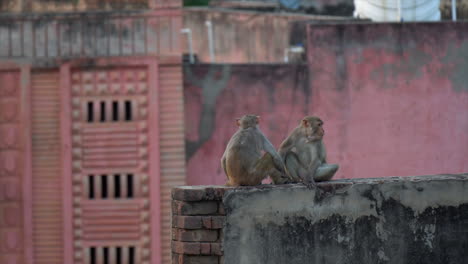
x=117 y=185
x=129 y=185
x=131 y=255
x=106 y=255
x=118 y=252
x=91 y=187
x=92 y=255
x=104 y=186
x=128 y=111
x=115 y=111
x=103 y=111
x=90 y=112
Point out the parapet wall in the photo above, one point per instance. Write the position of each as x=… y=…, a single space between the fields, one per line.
x=422 y=219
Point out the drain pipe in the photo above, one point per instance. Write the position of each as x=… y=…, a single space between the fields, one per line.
x=454 y=10
x=209 y=27
x=188 y=31
x=400 y=18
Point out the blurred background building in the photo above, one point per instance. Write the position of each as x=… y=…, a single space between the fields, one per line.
x=106 y=105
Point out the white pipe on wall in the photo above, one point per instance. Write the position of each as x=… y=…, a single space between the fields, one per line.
x=399 y=18
x=209 y=27
x=188 y=31
x=454 y=10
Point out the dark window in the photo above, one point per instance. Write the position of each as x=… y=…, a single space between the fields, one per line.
x=117 y=185
x=90 y=112
x=106 y=255
x=128 y=111
x=92 y=255
x=103 y=111
x=131 y=255
x=118 y=255
x=115 y=111
x=91 y=187
x=104 y=186
x=129 y=185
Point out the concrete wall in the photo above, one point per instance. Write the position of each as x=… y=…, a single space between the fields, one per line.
x=241 y=36
x=400 y=220
x=394 y=97
x=392 y=220
x=19 y=6
x=66 y=35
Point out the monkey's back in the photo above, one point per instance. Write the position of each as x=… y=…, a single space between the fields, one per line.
x=242 y=152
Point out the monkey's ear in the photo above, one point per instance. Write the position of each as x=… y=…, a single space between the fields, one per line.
x=305 y=123
x=258 y=119
x=238 y=122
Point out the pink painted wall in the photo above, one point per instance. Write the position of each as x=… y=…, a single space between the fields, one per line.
x=394 y=96
x=394 y=99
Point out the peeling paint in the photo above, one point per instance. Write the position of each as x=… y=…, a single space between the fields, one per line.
x=396 y=220
x=457 y=55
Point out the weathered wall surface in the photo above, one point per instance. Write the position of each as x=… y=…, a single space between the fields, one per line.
x=418 y=219
x=392 y=220
x=240 y=36
x=90 y=34
x=394 y=97
x=17 y=6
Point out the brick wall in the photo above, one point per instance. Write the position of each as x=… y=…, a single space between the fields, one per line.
x=197 y=221
x=354 y=221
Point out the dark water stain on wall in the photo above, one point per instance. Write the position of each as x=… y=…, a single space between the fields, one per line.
x=457 y=56
x=212 y=84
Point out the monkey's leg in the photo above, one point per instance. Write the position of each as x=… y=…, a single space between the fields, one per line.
x=325 y=172
x=296 y=171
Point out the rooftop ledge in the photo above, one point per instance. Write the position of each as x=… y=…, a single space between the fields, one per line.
x=420 y=219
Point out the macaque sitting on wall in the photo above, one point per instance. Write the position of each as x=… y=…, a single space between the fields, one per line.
x=243 y=161
x=304 y=154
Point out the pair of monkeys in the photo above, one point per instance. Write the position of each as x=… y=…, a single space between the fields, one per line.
x=300 y=158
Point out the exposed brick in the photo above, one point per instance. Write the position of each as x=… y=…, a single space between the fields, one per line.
x=217 y=222
x=206 y=221
x=205 y=248
x=189 y=248
x=194 y=208
x=187 y=222
x=221 y=209
x=199 y=193
x=176 y=258
x=199 y=259
x=174 y=232
x=216 y=249
x=199 y=235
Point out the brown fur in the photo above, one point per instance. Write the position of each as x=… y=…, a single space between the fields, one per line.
x=304 y=154
x=243 y=161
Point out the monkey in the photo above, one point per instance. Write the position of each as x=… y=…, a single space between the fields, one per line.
x=243 y=161
x=304 y=154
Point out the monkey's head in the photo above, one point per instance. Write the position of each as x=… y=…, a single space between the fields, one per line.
x=313 y=127
x=248 y=121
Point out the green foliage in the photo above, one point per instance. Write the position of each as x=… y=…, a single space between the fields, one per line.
x=196 y=2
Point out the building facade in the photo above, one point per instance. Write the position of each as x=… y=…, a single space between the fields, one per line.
x=91 y=130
